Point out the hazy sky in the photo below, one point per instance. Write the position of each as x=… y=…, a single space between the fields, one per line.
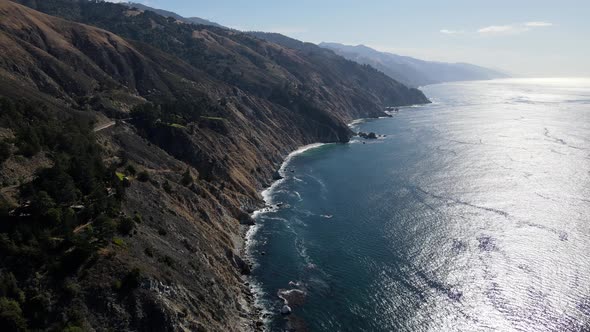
x=523 y=37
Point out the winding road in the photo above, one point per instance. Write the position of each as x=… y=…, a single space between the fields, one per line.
x=104 y=126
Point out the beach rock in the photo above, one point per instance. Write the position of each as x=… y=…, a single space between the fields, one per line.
x=239 y=263
x=293 y=297
x=370 y=135
x=286 y=310
x=246 y=219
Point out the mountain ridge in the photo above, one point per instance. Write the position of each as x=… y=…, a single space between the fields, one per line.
x=148 y=213
x=412 y=71
x=166 y=13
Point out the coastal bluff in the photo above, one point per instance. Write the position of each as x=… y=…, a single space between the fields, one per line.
x=185 y=124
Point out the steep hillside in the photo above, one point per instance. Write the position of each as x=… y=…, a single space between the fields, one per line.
x=359 y=77
x=264 y=69
x=411 y=71
x=136 y=225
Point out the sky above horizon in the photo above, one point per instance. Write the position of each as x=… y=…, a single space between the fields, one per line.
x=529 y=38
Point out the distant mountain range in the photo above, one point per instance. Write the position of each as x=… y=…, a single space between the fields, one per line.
x=165 y=13
x=411 y=71
x=407 y=70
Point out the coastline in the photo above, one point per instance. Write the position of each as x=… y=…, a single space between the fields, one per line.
x=260 y=310
x=262 y=313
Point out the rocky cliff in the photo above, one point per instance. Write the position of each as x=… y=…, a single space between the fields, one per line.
x=192 y=120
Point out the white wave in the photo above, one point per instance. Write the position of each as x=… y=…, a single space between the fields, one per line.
x=259 y=301
x=267 y=194
x=301 y=249
x=356 y=122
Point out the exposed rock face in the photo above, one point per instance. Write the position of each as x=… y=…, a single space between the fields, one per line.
x=370 y=135
x=188 y=243
x=285 y=310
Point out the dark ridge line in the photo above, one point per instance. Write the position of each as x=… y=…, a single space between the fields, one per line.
x=456 y=201
x=545 y=197
x=555 y=139
x=449 y=290
x=557 y=152
x=560 y=141
x=482 y=143
x=563 y=236
x=438 y=148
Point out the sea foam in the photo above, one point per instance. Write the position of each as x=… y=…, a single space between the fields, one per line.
x=267 y=194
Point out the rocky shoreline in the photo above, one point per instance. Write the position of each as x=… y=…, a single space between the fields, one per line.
x=247 y=230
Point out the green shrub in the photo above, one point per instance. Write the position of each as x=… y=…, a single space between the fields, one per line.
x=5 y=152
x=131 y=170
x=117 y=285
x=73 y=328
x=71 y=288
x=105 y=226
x=42 y=202
x=166 y=186
x=167 y=260
x=41 y=239
x=53 y=216
x=37 y=307
x=73 y=259
x=9 y=288
x=143 y=176
x=149 y=252
x=187 y=179
x=11 y=316
x=131 y=281
x=28 y=148
x=126 y=226
x=5 y=207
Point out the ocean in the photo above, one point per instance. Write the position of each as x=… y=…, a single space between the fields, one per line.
x=468 y=214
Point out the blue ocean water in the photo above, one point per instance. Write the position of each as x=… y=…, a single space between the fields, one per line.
x=472 y=214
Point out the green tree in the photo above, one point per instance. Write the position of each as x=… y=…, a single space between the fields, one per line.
x=187 y=178
x=42 y=202
x=5 y=152
x=9 y=288
x=126 y=226
x=11 y=316
x=143 y=176
x=131 y=170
